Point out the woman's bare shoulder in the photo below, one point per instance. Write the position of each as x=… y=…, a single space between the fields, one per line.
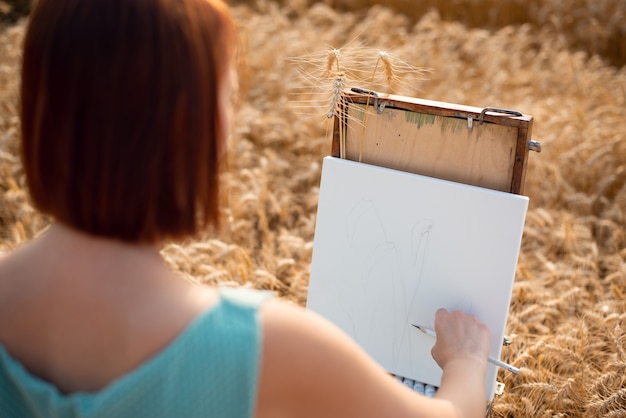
x=15 y=273
x=14 y=267
x=311 y=368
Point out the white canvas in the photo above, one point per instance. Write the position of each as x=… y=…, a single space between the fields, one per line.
x=391 y=247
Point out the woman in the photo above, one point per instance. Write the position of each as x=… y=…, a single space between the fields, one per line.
x=125 y=115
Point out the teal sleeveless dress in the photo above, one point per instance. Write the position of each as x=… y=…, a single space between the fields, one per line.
x=210 y=370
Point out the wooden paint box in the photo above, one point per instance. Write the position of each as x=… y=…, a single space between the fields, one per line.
x=486 y=147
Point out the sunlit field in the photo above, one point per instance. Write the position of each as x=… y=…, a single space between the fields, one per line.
x=560 y=61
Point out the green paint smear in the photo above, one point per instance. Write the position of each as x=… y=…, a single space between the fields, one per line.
x=360 y=111
x=453 y=125
x=419 y=118
x=447 y=124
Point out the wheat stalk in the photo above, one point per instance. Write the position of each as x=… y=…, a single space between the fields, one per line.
x=346 y=67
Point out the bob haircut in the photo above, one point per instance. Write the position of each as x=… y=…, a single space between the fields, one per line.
x=122 y=131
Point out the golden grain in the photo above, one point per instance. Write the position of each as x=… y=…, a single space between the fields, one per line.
x=568 y=311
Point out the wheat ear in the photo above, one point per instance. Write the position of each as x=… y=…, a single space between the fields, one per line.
x=333 y=70
x=389 y=75
x=387 y=66
x=332 y=60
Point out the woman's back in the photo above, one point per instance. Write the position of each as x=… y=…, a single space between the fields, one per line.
x=75 y=344
x=80 y=311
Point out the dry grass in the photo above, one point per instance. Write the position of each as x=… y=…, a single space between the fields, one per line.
x=568 y=312
x=596 y=26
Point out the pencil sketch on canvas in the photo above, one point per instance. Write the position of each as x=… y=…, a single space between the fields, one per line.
x=390 y=248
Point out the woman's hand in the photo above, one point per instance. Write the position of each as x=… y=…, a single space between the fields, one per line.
x=459 y=336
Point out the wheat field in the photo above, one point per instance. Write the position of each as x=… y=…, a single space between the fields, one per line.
x=560 y=61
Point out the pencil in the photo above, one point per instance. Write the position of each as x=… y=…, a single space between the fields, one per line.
x=491 y=360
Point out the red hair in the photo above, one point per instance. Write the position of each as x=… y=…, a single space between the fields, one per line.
x=122 y=131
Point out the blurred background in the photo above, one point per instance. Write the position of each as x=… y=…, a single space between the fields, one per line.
x=560 y=61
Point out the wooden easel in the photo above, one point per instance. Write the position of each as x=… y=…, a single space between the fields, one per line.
x=485 y=147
